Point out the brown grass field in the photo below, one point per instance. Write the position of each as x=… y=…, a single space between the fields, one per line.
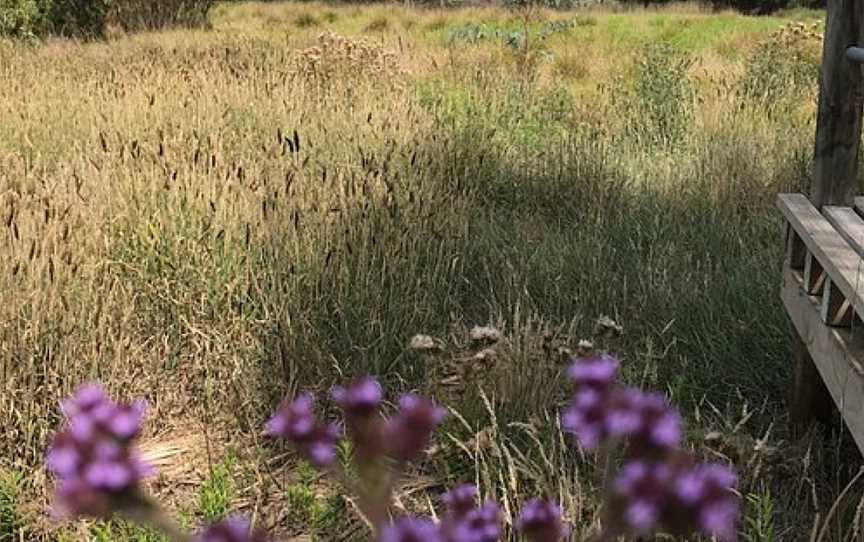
x=214 y=219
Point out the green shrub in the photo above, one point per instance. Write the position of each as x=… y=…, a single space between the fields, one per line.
x=781 y=69
x=378 y=24
x=84 y=18
x=136 y=15
x=306 y=20
x=21 y=18
x=33 y=18
x=88 y=18
x=756 y=7
x=472 y=33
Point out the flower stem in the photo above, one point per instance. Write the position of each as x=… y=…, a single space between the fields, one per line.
x=142 y=510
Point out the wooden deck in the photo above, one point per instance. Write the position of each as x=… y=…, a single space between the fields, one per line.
x=823 y=291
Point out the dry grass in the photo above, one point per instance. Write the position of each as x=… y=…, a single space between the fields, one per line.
x=212 y=220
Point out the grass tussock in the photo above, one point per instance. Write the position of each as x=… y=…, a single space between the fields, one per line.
x=212 y=220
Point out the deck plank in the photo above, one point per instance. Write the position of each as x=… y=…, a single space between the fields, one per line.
x=835 y=351
x=848 y=224
x=840 y=261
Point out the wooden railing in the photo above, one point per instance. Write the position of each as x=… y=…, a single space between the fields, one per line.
x=823 y=291
x=821 y=276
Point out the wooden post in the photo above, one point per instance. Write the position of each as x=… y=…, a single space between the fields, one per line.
x=838 y=126
x=835 y=173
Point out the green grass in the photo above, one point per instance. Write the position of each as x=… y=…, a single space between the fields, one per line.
x=216 y=495
x=10 y=496
x=760 y=522
x=121 y=531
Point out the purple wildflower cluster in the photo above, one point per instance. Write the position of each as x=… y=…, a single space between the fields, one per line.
x=93 y=457
x=465 y=521
x=601 y=409
x=541 y=521
x=403 y=437
x=381 y=447
x=295 y=421
x=659 y=486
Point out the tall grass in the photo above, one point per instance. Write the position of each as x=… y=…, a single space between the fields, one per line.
x=213 y=220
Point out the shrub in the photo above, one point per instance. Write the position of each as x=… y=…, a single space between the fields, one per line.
x=21 y=18
x=88 y=18
x=756 y=7
x=305 y=20
x=783 y=66
x=84 y=18
x=136 y=15
x=472 y=33
x=378 y=24
x=33 y=18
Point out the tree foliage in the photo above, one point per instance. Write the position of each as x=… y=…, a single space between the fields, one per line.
x=753 y=7
x=89 y=18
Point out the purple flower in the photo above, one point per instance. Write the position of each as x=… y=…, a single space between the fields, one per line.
x=408 y=433
x=361 y=399
x=361 y=402
x=596 y=372
x=643 y=488
x=707 y=492
x=460 y=500
x=659 y=486
x=90 y=410
x=646 y=418
x=411 y=529
x=93 y=457
x=623 y=415
x=586 y=416
x=540 y=521
x=481 y=524
x=677 y=495
x=233 y=529
x=295 y=421
x=595 y=414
